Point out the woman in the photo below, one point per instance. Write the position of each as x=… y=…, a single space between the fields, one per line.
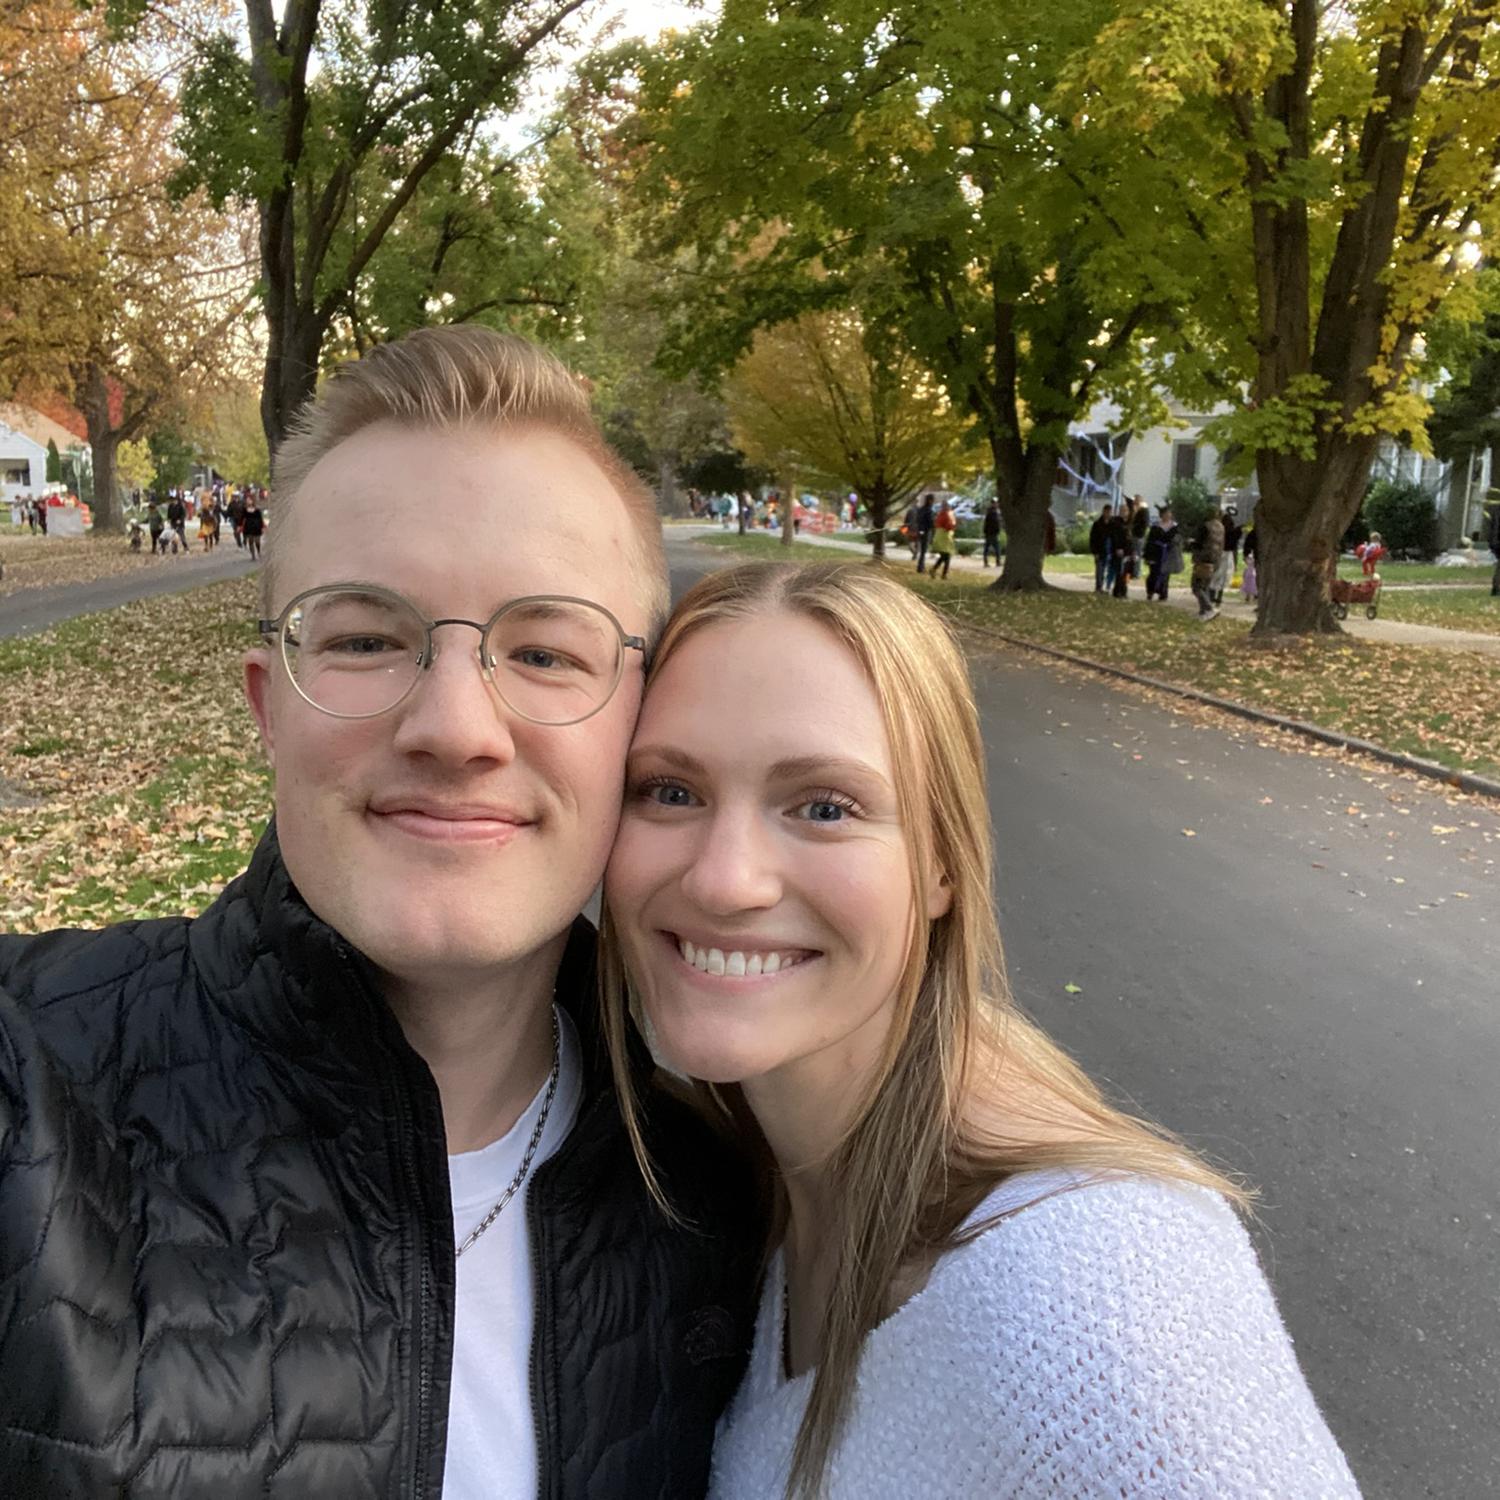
x=943 y=527
x=983 y=1279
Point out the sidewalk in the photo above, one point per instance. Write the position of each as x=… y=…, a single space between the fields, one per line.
x=1388 y=632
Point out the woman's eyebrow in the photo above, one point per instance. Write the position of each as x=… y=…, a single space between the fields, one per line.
x=791 y=768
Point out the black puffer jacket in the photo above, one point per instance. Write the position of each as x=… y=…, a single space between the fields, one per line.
x=226 y=1242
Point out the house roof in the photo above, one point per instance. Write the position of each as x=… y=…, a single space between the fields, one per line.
x=37 y=427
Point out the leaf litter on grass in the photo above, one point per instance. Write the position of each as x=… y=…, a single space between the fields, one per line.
x=127 y=734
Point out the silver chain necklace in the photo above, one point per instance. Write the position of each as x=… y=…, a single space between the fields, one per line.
x=536 y=1140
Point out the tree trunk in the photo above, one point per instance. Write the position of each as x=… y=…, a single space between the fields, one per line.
x=1304 y=510
x=92 y=399
x=294 y=341
x=1025 y=514
x=877 y=502
x=789 y=510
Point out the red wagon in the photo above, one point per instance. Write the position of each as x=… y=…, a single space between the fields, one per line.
x=1346 y=591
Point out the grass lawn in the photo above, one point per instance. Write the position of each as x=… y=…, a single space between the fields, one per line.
x=1453 y=609
x=1441 y=705
x=127 y=733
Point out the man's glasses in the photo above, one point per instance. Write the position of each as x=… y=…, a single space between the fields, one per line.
x=357 y=650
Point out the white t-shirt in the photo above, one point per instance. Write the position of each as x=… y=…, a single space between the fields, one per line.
x=491 y=1431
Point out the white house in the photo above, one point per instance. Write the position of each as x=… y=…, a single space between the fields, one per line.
x=23 y=465
x=1103 y=464
x=24 y=434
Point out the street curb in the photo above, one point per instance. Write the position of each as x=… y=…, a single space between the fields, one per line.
x=1465 y=781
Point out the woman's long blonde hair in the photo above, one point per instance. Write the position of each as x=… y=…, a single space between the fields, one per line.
x=968 y=1091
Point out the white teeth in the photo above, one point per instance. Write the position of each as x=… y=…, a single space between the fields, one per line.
x=736 y=963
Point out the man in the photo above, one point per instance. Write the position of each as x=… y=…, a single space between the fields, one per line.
x=992 y=532
x=1208 y=552
x=926 y=517
x=320 y=1194
x=1117 y=544
x=1099 y=545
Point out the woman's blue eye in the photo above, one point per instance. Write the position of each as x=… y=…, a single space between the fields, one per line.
x=826 y=811
x=665 y=794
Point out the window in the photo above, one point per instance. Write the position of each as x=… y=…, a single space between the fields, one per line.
x=15 y=471
x=1184 y=461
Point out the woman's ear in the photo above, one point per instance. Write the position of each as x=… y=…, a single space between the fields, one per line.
x=939 y=895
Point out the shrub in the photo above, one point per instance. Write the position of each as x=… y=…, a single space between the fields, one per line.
x=966 y=546
x=1191 y=501
x=1405 y=517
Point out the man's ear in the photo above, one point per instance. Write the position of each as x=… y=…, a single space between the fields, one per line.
x=256 y=664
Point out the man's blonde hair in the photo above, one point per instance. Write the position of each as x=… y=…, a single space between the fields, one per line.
x=466 y=376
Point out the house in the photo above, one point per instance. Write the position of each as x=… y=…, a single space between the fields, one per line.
x=1104 y=463
x=24 y=434
x=23 y=464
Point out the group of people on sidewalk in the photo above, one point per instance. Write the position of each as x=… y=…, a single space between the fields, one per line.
x=1124 y=538
x=242 y=512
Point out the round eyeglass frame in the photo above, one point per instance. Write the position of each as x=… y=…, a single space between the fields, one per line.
x=428 y=654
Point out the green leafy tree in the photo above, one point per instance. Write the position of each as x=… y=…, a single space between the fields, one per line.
x=232 y=438
x=331 y=121
x=54 y=462
x=850 y=408
x=172 y=456
x=1340 y=163
x=121 y=296
x=782 y=152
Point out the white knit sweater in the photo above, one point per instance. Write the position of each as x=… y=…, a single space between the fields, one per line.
x=1118 y=1339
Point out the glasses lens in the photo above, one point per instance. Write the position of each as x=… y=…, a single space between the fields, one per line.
x=353 y=653
x=555 y=661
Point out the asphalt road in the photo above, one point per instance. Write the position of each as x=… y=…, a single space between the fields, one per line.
x=37 y=609
x=1298 y=987
x=1292 y=961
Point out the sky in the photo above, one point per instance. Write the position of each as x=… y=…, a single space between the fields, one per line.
x=645 y=18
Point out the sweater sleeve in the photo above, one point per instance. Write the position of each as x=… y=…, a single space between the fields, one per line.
x=1160 y=1363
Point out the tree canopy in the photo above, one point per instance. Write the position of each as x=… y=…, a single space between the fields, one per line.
x=850 y=408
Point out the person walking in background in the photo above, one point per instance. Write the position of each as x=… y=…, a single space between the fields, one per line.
x=1140 y=523
x=1117 y=540
x=1229 y=559
x=925 y=516
x=156 y=524
x=237 y=517
x=992 y=532
x=1162 y=545
x=943 y=527
x=177 y=519
x=1208 y=552
x=254 y=524
x=1495 y=547
x=41 y=514
x=1099 y=545
x=208 y=525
